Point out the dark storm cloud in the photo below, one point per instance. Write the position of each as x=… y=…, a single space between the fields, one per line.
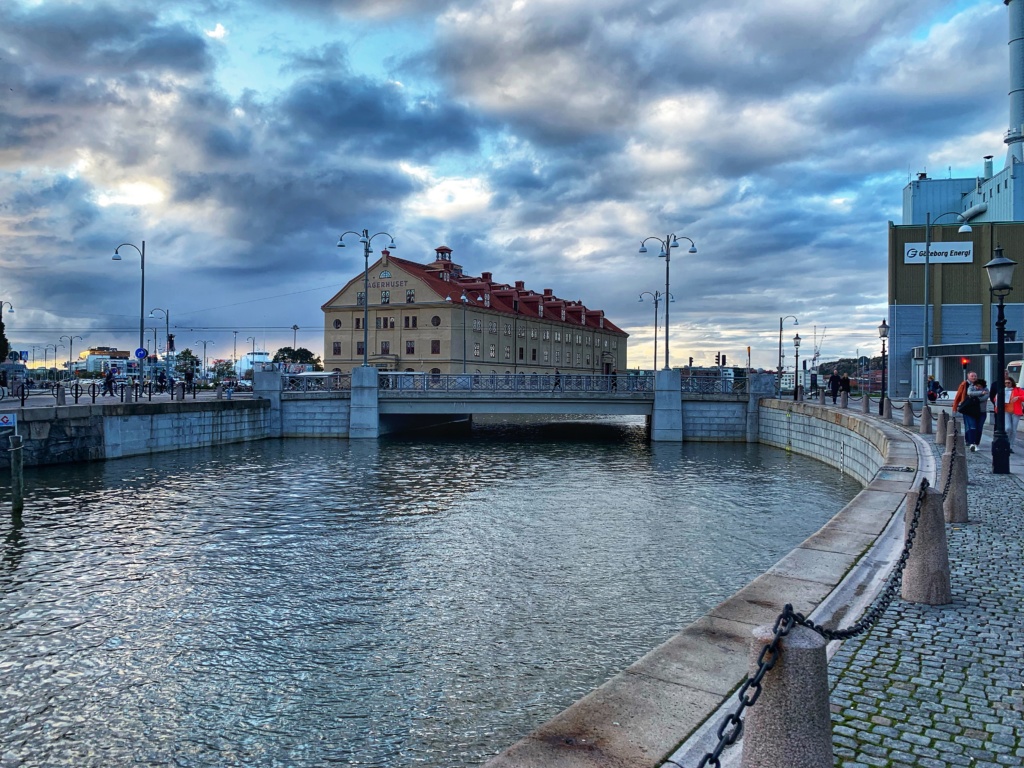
x=377 y=119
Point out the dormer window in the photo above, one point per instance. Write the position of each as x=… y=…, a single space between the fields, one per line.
x=563 y=313
x=540 y=309
x=487 y=299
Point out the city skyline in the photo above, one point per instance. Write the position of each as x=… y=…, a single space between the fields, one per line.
x=540 y=141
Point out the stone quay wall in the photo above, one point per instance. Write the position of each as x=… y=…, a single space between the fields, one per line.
x=315 y=414
x=69 y=433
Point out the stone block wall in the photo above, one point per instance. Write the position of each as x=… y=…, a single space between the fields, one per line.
x=841 y=439
x=714 y=420
x=314 y=414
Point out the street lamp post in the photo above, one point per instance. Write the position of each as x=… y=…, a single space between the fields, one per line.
x=883 y=334
x=46 y=357
x=796 y=367
x=670 y=242
x=168 y=357
x=252 y=360
x=795 y=322
x=142 y=299
x=964 y=229
x=9 y=306
x=366 y=238
x=1000 y=277
x=295 y=336
x=204 y=342
x=465 y=303
x=657 y=296
x=71 y=347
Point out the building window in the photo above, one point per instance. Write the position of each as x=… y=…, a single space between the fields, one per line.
x=337 y=349
x=558 y=356
x=435 y=321
x=587 y=341
x=385 y=347
x=508 y=329
x=410 y=296
x=337 y=324
x=545 y=357
x=579 y=359
x=385 y=297
x=615 y=343
x=579 y=339
x=606 y=343
x=410 y=347
x=478 y=324
x=435 y=346
x=522 y=332
x=492 y=327
x=533 y=355
x=359 y=323
x=558 y=335
x=508 y=352
x=547 y=335
x=588 y=361
x=360 y=299
x=391 y=322
x=476 y=349
x=563 y=313
x=492 y=352
x=360 y=349
x=379 y=320
x=521 y=351
x=533 y=333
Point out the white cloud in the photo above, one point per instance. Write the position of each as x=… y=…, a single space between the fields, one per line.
x=217 y=33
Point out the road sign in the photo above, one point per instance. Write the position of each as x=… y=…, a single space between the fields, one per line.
x=141 y=353
x=9 y=420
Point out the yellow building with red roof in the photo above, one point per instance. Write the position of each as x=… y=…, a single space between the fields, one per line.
x=433 y=318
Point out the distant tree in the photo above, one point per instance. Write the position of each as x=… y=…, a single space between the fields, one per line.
x=300 y=355
x=187 y=360
x=5 y=346
x=223 y=369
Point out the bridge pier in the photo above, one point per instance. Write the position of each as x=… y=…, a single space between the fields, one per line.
x=667 y=418
x=364 y=413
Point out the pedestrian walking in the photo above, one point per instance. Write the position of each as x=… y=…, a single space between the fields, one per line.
x=971 y=402
x=845 y=384
x=1014 y=409
x=833 y=385
x=108 y=383
x=615 y=380
x=558 y=381
x=190 y=378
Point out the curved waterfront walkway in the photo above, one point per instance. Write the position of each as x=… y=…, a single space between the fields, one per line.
x=936 y=686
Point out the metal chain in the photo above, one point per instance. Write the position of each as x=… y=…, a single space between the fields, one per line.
x=731 y=727
x=949 y=473
x=891 y=587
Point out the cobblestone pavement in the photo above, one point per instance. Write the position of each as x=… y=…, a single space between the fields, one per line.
x=942 y=686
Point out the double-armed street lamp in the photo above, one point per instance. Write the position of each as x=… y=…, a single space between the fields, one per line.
x=964 y=229
x=1000 y=278
x=795 y=322
x=670 y=242
x=366 y=238
x=46 y=357
x=10 y=308
x=71 y=346
x=142 y=301
x=465 y=303
x=657 y=296
x=883 y=334
x=796 y=367
x=204 y=342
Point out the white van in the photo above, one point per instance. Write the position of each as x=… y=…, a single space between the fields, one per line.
x=1013 y=368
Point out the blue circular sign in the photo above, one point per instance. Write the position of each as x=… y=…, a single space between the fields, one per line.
x=141 y=353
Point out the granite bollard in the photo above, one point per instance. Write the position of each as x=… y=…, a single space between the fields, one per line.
x=908 y=414
x=954 y=505
x=790 y=725
x=865 y=403
x=887 y=408
x=926 y=420
x=940 y=428
x=844 y=399
x=926 y=577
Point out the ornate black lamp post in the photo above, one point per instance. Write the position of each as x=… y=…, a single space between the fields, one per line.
x=1000 y=278
x=883 y=334
x=670 y=242
x=366 y=238
x=796 y=368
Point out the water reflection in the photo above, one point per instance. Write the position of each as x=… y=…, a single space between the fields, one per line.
x=414 y=601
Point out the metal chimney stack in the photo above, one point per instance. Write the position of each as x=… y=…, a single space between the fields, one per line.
x=1015 y=136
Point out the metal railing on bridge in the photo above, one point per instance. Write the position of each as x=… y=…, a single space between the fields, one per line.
x=318 y=382
x=524 y=383
x=714 y=385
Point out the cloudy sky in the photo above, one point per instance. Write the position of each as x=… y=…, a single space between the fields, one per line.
x=539 y=139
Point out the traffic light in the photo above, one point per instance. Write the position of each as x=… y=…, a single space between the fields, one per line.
x=691 y=362
x=170 y=342
x=723 y=358
x=965 y=361
x=718 y=358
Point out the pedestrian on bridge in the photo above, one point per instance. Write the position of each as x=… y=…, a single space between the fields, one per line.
x=833 y=384
x=558 y=382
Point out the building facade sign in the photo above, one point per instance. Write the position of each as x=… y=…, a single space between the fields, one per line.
x=942 y=253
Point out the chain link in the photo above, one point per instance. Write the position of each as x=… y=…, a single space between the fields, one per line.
x=949 y=473
x=732 y=726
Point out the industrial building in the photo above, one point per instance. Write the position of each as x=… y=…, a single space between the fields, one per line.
x=940 y=309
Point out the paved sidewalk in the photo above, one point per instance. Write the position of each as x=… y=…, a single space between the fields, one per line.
x=943 y=686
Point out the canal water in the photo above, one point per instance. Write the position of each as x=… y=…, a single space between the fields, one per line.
x=391 y=602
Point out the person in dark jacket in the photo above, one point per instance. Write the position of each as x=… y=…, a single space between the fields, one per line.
x=844 y=384
x=833 y=385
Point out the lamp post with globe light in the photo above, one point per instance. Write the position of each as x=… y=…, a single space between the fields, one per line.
x=883 y=334
x=1000 y=278
x=796 y=368
x=366 y=238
